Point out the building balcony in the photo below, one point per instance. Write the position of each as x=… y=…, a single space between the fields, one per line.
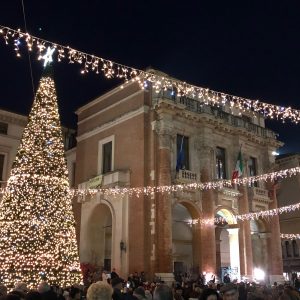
x=216 y=112
x=185 y=176
x=228 y=196
x=108 y=180
x=260 y=198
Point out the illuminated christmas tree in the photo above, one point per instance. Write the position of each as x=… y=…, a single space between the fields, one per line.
x=37 y=227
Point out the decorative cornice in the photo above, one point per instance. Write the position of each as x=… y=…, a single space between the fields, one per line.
x=101 y=98
x=111 y=106
x=13 y=118
x=143 y=109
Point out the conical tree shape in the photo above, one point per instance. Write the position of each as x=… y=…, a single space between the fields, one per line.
x=37 y=232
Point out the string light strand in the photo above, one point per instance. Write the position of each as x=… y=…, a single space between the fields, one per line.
x=111 y=69
x=148 y=190
x=290 y=236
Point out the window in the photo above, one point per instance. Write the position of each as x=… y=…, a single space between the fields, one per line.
x=2 y=159
x=182 y=159
x=220 y=163
x=3 y=128
x=106 y=157
x=295 y=249
x=252 y=170
x=288 y=249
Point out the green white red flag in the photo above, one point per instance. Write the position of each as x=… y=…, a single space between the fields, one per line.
x=238 y=171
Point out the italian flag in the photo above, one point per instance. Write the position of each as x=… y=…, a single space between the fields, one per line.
x=238 y=171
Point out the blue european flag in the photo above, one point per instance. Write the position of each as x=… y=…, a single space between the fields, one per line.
x=180 y=157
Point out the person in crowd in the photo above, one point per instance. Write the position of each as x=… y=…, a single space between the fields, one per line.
x=45 y=290
x=136 y=279
x=226 y=278
x=139 y=293
x=3 y=291
x=99 y=291
x=209 y=294
x=20 y=290
x=148 y=295
x=13 y=296
x=33 y=295
x=113 y=274
x=117 y=284
x=229 y=292
x=242 y=291
x=297 y=284
x=178 y=291
x=75 y=293
x=162 y=292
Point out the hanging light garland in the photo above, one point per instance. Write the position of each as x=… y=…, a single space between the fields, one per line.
x=290 y=236
x=148 y=190
x=112 y=69
x=248 y=217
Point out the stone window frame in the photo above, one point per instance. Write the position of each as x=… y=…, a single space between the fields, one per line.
x=3 y=174
x=3 y=128
x=225 y=162
x=256 y=183
x=100 y=152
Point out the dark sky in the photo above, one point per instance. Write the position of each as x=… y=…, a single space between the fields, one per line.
x=246 y=48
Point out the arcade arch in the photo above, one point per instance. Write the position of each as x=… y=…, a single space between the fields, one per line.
x=186 y=238
x=227 y=245
x=98 y=237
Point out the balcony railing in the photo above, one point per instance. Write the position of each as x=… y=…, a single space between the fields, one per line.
x=200 y=108
x=260 y=192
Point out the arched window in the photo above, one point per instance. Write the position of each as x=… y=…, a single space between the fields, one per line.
x=295 y=248
x=288 y=249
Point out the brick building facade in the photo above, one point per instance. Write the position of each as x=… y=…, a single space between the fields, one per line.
x=132 y=137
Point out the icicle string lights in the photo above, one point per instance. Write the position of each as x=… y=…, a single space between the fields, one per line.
x=290 y=236
x=148 y=190
x=112 y=69
x=250 y=216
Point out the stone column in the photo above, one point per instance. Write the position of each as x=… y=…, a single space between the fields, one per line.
x=197 y=247
x=274 y=242
x=246 y=257
x=208 y=240
x=234 y=249
x=164 y=261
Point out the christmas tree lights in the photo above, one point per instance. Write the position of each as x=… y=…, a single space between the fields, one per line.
x=37 y=227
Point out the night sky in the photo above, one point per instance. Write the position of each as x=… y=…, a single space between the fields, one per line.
x=246 y=48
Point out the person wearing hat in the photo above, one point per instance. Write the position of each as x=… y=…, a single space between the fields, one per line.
x=117 y=285
x=229 y=292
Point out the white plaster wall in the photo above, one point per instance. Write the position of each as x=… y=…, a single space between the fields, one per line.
x=224 y=248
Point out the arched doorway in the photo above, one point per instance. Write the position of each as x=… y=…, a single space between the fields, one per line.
x=259 y=245
x=227 y=245
x=99 y=237
x=185 y=238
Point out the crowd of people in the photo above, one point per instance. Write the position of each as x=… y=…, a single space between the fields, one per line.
x=112 y=287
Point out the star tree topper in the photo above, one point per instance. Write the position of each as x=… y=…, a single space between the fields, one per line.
x=48 y=56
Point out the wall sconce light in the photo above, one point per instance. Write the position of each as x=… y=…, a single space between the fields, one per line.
x=122 y=246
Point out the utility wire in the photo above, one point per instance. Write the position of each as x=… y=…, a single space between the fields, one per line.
x=29 y=59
